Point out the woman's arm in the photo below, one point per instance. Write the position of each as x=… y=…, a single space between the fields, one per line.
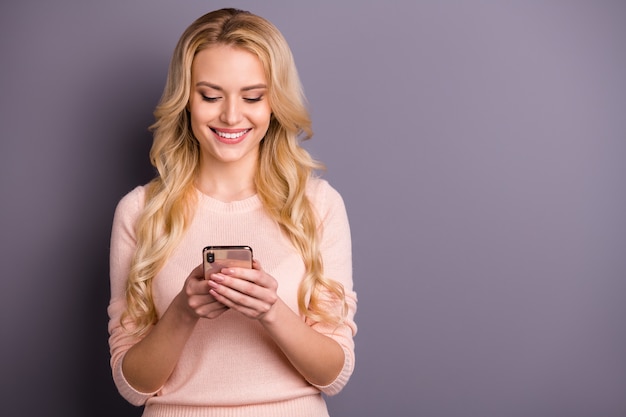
x=252 y=292
x=149 y=363
x=141 y=364
x=316 y=356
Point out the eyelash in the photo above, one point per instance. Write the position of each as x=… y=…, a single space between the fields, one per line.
x=247 y=100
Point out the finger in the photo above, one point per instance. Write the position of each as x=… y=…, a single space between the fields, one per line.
x=242 y=292
x=250 y=307
x=246 y=283
x=242 y=273
x=199 y=300
x=256 y=276
x=197 y=289
x=211 y=310
x=197 y=273
x=194 y=286
x=233 y=288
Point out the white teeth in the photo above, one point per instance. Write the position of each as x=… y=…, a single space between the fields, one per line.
x=231 y=135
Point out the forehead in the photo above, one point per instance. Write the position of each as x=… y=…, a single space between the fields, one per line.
x=228 y=67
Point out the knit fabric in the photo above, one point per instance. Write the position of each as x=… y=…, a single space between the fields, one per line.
x=230 y=366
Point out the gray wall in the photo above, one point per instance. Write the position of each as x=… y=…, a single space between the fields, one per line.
x=480 y=147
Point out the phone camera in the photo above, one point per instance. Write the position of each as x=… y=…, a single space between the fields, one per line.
x=210 y=257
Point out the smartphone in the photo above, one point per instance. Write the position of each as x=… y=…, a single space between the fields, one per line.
x=214 y=258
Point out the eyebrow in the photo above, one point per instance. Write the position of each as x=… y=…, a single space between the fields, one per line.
x=218 y=88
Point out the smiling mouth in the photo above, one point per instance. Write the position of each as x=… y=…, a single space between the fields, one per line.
x=230 y=135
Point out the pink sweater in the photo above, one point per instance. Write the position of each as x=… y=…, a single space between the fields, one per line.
x=230 y=366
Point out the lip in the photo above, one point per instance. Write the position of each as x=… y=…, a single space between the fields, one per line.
x=230 y=141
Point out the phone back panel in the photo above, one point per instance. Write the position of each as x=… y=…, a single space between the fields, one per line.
x=215 y=258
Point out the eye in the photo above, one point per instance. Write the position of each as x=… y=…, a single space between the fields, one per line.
x=253 y=99
x=209 y=99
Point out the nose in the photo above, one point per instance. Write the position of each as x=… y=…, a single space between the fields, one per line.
x=231 y=112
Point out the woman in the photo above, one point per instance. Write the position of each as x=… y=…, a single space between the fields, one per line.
x=260 y=341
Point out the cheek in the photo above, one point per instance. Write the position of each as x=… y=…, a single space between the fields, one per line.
x=193 y=118
x=200 y=115
x=262 y=116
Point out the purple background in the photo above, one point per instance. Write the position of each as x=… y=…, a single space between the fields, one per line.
x=480 y=147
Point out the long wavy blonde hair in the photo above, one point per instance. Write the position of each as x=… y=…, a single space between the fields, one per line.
x=282 y=172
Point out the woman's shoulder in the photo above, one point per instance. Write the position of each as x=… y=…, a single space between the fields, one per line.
x=132 y=202
x=322 y=193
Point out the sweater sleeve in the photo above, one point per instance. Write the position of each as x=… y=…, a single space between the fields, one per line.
x=123 y=244
x=336 y=249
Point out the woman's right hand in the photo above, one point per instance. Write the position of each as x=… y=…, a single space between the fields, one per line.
x=196 y=297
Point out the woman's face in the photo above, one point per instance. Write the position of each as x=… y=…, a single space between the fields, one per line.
x=229 y=107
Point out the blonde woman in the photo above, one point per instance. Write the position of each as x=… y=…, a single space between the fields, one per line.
x=260 y=341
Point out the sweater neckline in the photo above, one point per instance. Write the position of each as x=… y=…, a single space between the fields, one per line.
x=247 y=204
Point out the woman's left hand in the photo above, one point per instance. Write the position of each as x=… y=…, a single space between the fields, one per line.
x=252 y=292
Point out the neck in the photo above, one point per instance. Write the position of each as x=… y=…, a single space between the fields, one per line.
x=226 y=182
